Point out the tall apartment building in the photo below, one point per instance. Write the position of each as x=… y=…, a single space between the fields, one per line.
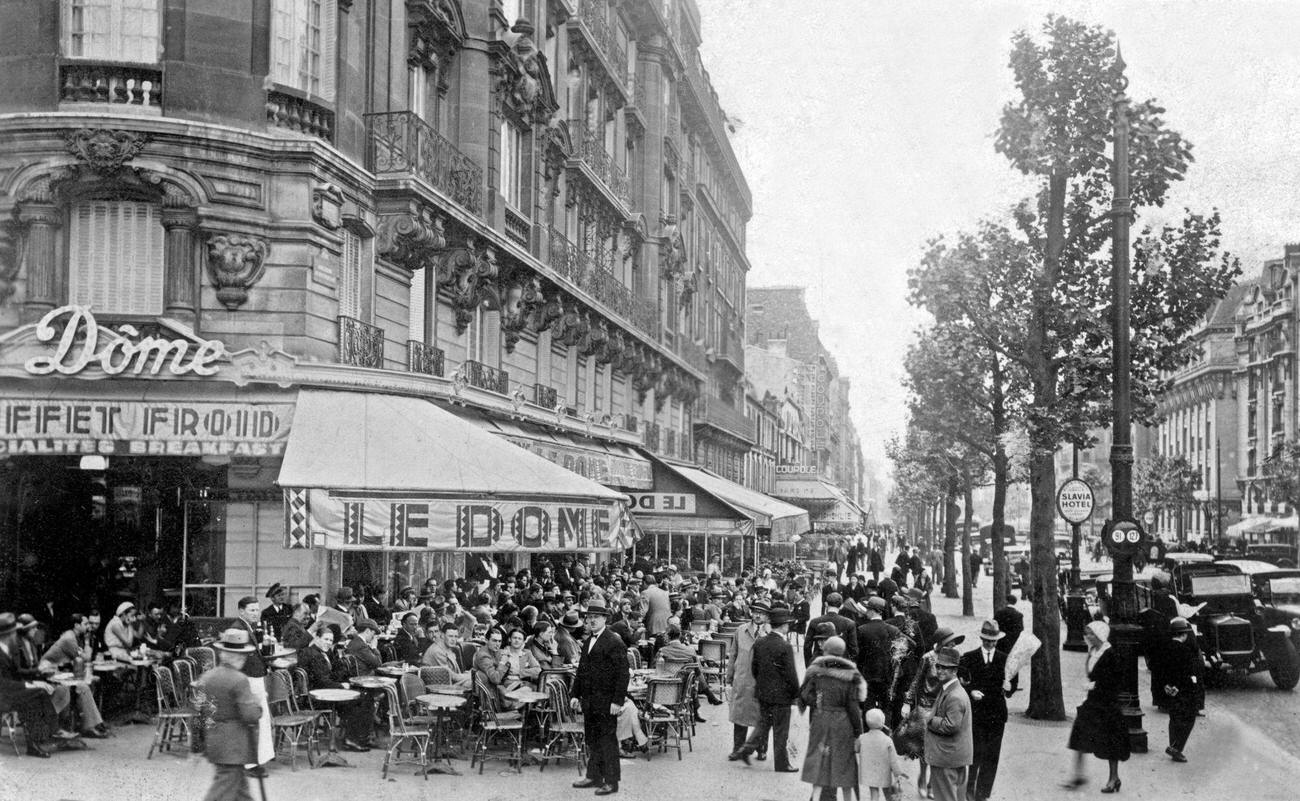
x=320 y=237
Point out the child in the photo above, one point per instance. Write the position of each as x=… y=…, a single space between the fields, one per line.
x=878 y=765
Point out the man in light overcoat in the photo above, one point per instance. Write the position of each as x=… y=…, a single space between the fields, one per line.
x=745 y=710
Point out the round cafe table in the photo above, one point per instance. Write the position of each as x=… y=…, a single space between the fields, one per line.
x=331 y=699
x=447 y=689
x=526 y=698
x=396 y=671
x=439 y=755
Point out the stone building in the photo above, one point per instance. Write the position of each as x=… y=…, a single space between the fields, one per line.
x=314 y=235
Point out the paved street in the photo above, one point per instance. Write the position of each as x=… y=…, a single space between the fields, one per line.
x=1246 y=748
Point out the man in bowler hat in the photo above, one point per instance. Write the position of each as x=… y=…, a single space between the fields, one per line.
x=230 y=713
x=599 y=688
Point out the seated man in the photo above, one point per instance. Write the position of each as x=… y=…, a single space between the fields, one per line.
x=408 y=639
x=294 y=633
x=362 y=647
x=30 y=699
x=72 y=652
x=675 y=656
x=323 y=673
x=444 y=653
x=492 y=664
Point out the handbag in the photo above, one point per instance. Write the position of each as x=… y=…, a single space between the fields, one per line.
x=909 y=737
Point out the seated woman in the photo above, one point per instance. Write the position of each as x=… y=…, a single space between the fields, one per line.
x=523 y=664
x=544 y=647
x=494 y=666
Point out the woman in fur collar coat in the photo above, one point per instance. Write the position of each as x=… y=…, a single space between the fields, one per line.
x=833 y=690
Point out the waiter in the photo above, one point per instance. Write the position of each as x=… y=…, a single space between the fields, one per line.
x=599 y=689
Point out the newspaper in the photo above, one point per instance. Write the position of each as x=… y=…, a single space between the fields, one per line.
x=1026 y=645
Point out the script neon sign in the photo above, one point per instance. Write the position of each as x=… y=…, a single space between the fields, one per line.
x=79 y=347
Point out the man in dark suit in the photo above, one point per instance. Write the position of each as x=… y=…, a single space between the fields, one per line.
x=30 y=699
x=231 y=739
x=324 y=673
x=408 y=643
x=844 y=628
x=875 y=653
x=986 y=667
x=776 y=687
x=599 y=689
x=279 y=611
x=1184 y=672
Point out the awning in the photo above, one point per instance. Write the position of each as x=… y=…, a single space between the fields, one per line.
x=1282 y=523
x=1254 y=523
x=827 y=503
x=783 y=519
x=366 y=471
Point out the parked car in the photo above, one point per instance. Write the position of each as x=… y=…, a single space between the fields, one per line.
x=1274 y=554
x=1233 y=631
x=1277 y=593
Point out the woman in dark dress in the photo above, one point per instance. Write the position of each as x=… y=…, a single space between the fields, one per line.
x=1099 y=727
x=833 y=691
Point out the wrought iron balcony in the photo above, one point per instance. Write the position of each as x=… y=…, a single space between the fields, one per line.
x=284 y=110
x=593 y=21
x=566 y=259
x=116 y=84
x=589 y=144
x=717 y=413
x=400 y=142
x=360 y=344
x=580 y=269
x=545 y=396
x=486 y=377
x=424 y=358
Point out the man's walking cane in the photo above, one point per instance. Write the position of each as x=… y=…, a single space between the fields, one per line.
x=259 y=771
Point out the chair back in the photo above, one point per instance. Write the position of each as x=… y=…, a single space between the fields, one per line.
x=410 y=687
x=351 y=665
x=435 y=675
x=558 y=693
x=485 y=695
x=387 y=652
x=664 y=692
x=713 y=650
x=279 y=692
x=205 y=658
x=300 y=687
x=689 y=679
x=560 y=675
x=184 y=670
x=633 y=659
x=674 y=667
x=165 y=689
x=397 y=713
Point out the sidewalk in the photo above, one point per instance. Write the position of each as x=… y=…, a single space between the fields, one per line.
x=1227 y=758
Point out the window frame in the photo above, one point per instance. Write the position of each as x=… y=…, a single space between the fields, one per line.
x=115 y=258
x=287 y=68
x=116 y=11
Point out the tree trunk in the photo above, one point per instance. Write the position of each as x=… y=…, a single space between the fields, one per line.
x=950 y=539
x=1001 y=581
x=968 y=578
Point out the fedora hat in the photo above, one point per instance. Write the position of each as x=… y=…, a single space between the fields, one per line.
x=781 y=617
x=944 y=636
x=7 y=623
x=991 y=631
x=234 y=641
x=571 y=620
x=596 y=606
x=948 y=657
x=1179 y=625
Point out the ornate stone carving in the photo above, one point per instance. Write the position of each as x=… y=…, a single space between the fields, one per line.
x=412 y=241
x=10 y=258
x=437 y=31
x=327 y=205
x=235 y=263
x=593 y=343
x=672 y=248
x=521 y=305
x=104 y=150
x=571 y=326
x=522 y=80
x=470 y=274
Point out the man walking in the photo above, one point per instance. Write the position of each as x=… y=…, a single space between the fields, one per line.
x=845 y=628
x=231 y=740
x=1184 y=689
x=948 y=736
x=986 y=667
x=599 y=688
x=875 y=655
x=777 y=687
x=745 y=711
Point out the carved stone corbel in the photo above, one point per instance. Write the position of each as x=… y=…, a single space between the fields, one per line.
x=470 y=274
x=235 y=263
x=327 y=205
x=521 y=304
x=570 y=327
x=104 y=150
x=593 y=344
x=412 y=241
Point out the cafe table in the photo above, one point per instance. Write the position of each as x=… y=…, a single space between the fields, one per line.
x=396 y=670
x=439 y=754
x=332 y=699
x=526 y=696
x=282 y=658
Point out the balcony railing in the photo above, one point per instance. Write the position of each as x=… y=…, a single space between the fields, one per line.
x=487 y=377
x=590 y=146
x=601 y=284
x=717 y=413
x=401 y=142
x=692 y=353
x=116 y=84
x=298 y=114
x=545 y=396
x=360 y=344
x=629 y=423
x=594 y=16
x=424 y=358
x=517 y=228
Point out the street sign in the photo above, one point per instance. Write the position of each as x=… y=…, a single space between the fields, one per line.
x=1074 y=501
x=1123 y=536
x=1149 y=518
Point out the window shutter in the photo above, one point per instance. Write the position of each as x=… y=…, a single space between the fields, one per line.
x=116 y=257
x=328 y=49
x=283 y=70
x=415 y=328
x=349 y=285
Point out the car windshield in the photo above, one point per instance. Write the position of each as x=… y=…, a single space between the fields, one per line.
x=1285 y=591
x=1237 y=584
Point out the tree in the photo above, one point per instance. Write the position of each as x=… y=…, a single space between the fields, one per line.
x=1164 y=484
x=1282 y=469
x=1057 y=131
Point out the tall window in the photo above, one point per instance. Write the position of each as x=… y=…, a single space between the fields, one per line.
x=115 y=257
x=350 y=277
x=303 y=45
x=418 y=91
x=415 y=325
x=512 y=165
x=116 y=30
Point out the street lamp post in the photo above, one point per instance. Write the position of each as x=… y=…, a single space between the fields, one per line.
x=1124 y=627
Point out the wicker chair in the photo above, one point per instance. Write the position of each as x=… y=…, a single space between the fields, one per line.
x=493 y=726
x=288 y=723
x=176 y=721
x=410 y=687
x=184 y=670
x=404 y=731
x=713 y=653
x=565 y=737
x=434 y=675
x=633 y=659
x=661 y=717
x=204 y=658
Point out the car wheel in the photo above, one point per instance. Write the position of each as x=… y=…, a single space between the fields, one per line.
x=1283 y=664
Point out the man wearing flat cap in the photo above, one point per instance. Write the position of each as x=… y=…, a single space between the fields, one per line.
x=987 y=685
x=278 y=611
x=844 y=628
x=949 y=746
x=231 y=714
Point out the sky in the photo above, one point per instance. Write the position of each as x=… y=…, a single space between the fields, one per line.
x=865 y=128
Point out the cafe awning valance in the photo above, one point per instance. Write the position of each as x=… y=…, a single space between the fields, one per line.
x=365 y=471
x=827 y=503
x=784 y=520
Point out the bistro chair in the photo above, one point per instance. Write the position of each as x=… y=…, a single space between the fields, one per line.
x=494 y=726
x=183 y=667
x=387 y=652
x=289 y=724
x=661 y=716
x=565 y=737
x=633 y=659
x=434 y=675
x=204 y=658
x=301 y=699
x=562 y=675
x=351 y=665
x=409 y=687
x=404 y=731
x=713 y=653
x=686 y=708
x=175 y=721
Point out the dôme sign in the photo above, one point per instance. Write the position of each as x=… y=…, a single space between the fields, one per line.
x=79 y=347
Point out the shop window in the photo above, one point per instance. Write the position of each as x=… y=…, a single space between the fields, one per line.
x=115 y=257
x=513 y=143
x=303 y=41
x=349 y=283
x=112 y=30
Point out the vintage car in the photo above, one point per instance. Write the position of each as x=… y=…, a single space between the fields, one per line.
x=1274 y=553
x=1277 y=592
x=1232 y=629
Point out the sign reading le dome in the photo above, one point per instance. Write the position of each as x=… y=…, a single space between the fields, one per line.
x=1074 y=501
x=79 y=346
